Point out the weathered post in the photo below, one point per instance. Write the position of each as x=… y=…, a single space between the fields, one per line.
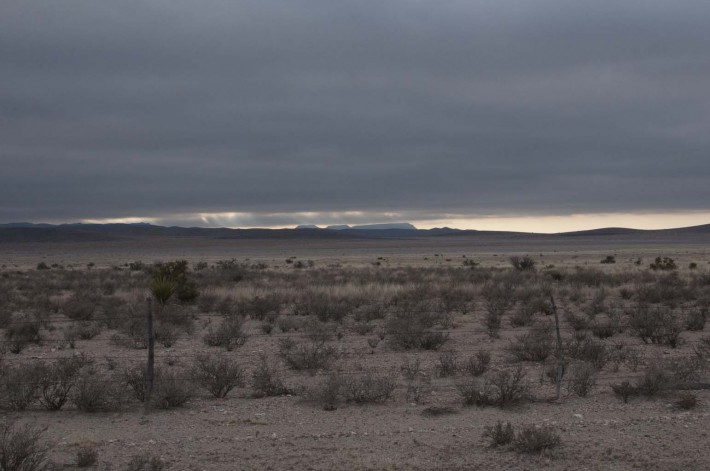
x=560 y=350
x=149 y=372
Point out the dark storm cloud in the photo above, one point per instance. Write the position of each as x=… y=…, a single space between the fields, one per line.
x=170 y=109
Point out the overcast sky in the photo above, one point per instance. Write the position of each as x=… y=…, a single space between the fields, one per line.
x=279 y=112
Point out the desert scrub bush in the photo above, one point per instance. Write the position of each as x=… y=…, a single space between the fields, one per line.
x=535 y=345
x=500 y=388
x=657 y=325
x=86 y=457
x=147 y=462
x=217 y=374
x=536 y=438
x=686 y=401
x=21 y=448
x=501 y=434
x=132 y=334
x=171 y=389
x=589 y=351
x=266 y=381
x=21 y=383
x=95 y=392
x=525 y=263
x=310 y=355
x=477 y=364
x=80 y=307
x=228 y=334
x=582 y=379
x=259 y=307
x=83 y=330
x=135 y=378
x=57 y=381
x=174 y=280
x=625 y=390
x=695 y=319
x=321 y=306
x=22 y=331
x=663 y=263
x=368 y=387
x=327 y=393
x=608 y=259
x=447 y=364
x=413 y=331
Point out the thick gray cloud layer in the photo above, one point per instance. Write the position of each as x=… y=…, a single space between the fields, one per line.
x=133 y=108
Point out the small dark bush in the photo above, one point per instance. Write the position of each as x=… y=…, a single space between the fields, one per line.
x=625 y=390
x=663 y=263
x=477 y=364
x=313 y=355
x=695 y=319
x=97 y=393
x=21 y=332
x=500 y=434
x=448 y=364
x=525 y=263
x=57 y=381
x=147 y=462
x=86 y=456
x=265 y=380
x=686 y=401
x=534 y=438
x=135 y=378
x=535 y=345
x=218 y=374
x=582 y=379
x=609 y=259
x=413 y=332
x=502 y=388
x=171 y=389
x=589 y=351
x=229 y=334
x=21 y=384
x=368 y=388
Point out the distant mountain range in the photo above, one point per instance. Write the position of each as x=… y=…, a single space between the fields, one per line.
x=30 y=232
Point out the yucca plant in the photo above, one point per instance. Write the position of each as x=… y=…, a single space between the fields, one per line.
x=162 y=289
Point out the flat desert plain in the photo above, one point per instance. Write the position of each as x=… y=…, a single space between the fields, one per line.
x=362 y=354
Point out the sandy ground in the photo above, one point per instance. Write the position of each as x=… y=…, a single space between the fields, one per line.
x=598 y=432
